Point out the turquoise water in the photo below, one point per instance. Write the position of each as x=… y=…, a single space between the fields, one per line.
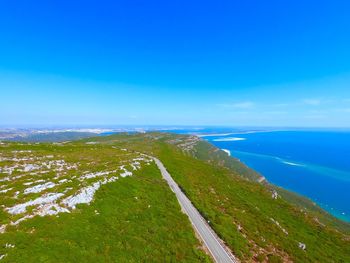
x=315 y=164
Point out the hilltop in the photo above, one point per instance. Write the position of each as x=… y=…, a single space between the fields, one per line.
x=103 y=199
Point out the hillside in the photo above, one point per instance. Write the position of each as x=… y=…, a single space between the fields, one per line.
x=109 y=203
x=82 y=202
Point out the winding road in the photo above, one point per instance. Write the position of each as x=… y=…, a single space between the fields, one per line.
x=208 y=236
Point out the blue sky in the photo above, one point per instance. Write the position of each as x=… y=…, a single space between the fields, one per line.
x=234 y=63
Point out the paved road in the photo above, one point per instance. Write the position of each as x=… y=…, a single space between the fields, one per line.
x=202 y=228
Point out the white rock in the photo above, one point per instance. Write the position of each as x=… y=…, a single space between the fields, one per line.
x=8 y=245
x=85 y=196
x=40 y=181
x=6 y=190
x=21 y=208
x=63 y=181
x=93 y=175
x=125 y=172
x=21 y=219
x=30 y=167
x=39 y=188
x=2 y=228
x=302 y=246
x=52 y=209
x=136 y=165
x=16 y=194
x=274 y=195
x=5 y=179
x=279 y=226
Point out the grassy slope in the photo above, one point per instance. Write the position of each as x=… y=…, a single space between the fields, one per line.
x=238 y=209
x=139 y=220
x=241 y=211
x=207 y=152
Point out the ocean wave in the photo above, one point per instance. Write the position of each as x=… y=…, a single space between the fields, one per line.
x=291 y=163
x=227 y=151
x=312 y=167
x=229 y=139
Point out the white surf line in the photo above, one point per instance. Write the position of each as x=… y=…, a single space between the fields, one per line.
x=227 y=151
x=229 y=139
x=292 y=163
x=236 y=133
x=215 y=246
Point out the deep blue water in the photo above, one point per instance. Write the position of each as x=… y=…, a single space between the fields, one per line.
x=315 y=164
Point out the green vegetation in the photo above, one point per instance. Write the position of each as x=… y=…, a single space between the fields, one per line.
x=243 y=213
x=138 y=219
x=134 y=219
x=209 y=153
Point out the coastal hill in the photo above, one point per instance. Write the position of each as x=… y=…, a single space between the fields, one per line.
x=103 y=199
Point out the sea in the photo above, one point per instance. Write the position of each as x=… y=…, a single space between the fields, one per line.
x=312 y=163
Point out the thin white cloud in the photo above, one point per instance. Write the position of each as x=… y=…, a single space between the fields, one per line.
x=239 y=105
x=315 y=116
x=275 y=112
x=312 y=102
x=347 y=110
x=280 y=105
x=318 y=112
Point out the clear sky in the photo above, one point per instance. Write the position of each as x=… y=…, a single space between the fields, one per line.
x=257 y=63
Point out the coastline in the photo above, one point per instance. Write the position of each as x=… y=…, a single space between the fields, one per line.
x=337 y=213
x=303 y=170
x=227 y=151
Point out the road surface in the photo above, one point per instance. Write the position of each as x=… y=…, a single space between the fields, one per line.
x=207 y=235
